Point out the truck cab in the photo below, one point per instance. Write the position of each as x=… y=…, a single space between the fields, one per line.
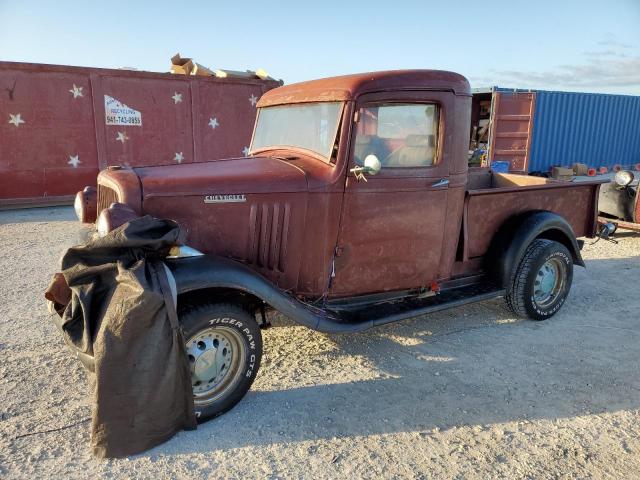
x=355 y=207
x=294 y=210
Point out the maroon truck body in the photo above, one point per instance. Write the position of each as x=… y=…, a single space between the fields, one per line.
x=355 y=208
x=310 y=227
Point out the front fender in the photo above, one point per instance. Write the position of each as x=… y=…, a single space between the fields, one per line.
x=208 y=271
x=516 y=235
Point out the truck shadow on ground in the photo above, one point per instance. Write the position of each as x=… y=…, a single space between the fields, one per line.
x=474 y=365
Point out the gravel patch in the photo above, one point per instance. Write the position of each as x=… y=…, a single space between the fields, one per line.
x=465 y=393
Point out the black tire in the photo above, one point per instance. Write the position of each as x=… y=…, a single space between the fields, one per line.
x=238 y=336
x=527 y=294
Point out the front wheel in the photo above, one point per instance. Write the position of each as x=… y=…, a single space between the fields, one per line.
x=542 y=280
x=224 y=347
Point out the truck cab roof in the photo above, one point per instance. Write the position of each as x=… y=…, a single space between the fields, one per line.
x=350 y=87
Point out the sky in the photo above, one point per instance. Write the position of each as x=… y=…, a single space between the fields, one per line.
x=586 y=45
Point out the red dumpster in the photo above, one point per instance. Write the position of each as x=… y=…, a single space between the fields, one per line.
x=60 y=125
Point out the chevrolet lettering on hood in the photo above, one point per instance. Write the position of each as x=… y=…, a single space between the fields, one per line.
x=237 y=198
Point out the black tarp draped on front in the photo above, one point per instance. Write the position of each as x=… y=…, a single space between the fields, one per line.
x=122 y=321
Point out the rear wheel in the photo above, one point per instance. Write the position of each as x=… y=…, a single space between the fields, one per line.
x=224 y=346
x=542 y=280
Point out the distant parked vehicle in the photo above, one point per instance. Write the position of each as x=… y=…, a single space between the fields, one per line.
x=619 y=202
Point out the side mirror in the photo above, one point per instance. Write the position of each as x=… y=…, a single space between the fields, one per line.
x=371 y=166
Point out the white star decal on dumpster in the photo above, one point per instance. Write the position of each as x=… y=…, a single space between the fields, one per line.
x=16 y=119
x=213 y=122
x=179 y=157
x=76 y=91
x=245 y=151
x=122 y=137
x=253 y=100
x=74 y=161
x=177 y=97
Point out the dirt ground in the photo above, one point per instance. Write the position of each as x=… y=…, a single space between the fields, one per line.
x=465 y=393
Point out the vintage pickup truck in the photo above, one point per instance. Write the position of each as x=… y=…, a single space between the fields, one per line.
x=354 y=208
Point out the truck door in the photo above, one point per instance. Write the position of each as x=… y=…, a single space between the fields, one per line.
x=391 y=228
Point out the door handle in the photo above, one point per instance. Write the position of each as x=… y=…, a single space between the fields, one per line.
x=441 y=183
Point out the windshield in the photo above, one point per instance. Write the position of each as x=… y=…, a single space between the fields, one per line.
x=312 y=126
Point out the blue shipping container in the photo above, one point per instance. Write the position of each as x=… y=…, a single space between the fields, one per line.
x=596 y=129
x=539 y=129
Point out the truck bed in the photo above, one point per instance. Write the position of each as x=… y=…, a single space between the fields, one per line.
x=492 y=198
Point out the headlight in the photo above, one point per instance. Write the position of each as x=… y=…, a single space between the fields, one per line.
x=111 y=218
x=103 y=225
x=623 y=178
x=86 y=204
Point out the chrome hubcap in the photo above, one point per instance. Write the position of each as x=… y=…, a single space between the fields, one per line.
x=216 y=358
x=549 y=282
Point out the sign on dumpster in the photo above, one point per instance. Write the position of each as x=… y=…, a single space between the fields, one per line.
x=117 y=113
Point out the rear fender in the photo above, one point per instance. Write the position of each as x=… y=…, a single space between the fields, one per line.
x=513 y=238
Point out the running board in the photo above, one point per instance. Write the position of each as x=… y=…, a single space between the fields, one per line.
x=211 y=272
x=383 y=314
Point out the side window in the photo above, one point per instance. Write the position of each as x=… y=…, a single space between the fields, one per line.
x=400 y=135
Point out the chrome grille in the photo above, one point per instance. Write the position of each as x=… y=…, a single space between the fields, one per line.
x=106 y=196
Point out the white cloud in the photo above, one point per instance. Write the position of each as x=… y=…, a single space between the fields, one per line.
x=600 y=70
x=610 y=40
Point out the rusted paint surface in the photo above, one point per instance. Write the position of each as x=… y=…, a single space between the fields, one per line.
x=489 y=208
x=54 y=136
x=385 y=244
x=234 y=176
x=350 y=87
x=452 y=226
x=266 y=231
x=398 y=215
x=122 y=184
x=270 y=220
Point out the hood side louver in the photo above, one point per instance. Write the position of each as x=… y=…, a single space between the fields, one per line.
x=268 y=235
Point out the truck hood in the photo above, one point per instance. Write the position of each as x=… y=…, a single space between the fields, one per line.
x=232 y=176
